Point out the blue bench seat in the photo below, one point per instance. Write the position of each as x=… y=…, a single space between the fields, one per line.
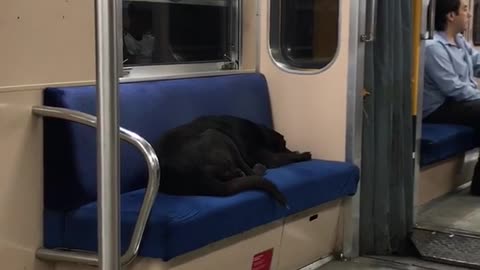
x=442 y=141
x=177 y=224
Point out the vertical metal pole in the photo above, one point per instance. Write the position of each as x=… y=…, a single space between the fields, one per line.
x=107 y=135
x=356 y=74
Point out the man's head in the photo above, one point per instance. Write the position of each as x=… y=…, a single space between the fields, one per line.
x=452 y=15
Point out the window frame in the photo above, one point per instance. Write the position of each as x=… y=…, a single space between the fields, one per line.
x=161 y=71
x=274 y=41
x=475 y=35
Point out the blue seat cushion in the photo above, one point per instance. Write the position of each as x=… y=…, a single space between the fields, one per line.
x=442 y=141
x=179 y=224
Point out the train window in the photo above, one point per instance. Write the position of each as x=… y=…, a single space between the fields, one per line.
x=304 y=33
x=169 y=32
x=476 y=23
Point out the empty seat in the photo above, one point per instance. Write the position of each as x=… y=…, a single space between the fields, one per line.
x=443 y=141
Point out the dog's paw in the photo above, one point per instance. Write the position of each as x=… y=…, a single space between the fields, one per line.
x=305 y=156
x=259 y=169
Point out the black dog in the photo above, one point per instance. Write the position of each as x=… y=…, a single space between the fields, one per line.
x=257 y=143
x=221 y=156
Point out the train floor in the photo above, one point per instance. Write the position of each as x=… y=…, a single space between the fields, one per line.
x=458 y=212
x=387 y=263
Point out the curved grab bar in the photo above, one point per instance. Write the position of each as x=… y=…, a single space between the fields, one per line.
x=150 y=194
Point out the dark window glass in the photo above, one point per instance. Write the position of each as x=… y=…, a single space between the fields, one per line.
x=177 y=32
x=476 y=23
x=304 y=33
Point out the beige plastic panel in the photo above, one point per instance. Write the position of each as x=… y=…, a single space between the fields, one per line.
x=444 y=177
x=235 y=253
x=303 y=242
x=310 y=109
x=46 y=41
x=249 y=44
x=21 y=181
x=310 y=236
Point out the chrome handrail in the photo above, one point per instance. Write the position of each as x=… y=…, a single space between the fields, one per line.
x=150 y=194
x=370 y=28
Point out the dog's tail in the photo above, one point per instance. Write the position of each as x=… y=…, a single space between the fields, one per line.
x=252 y=182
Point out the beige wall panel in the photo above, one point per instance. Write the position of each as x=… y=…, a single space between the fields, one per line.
x=444 y=177
x=310 y=109
x=310 y=236
x=46 y=41
x=21 y=181
x=249 y=44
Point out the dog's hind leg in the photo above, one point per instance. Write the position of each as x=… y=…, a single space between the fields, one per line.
x=215 y=187
x=236 y=155
x=259 y=169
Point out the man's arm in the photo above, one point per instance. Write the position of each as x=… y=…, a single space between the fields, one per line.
x=475 y=56
x=439 y=68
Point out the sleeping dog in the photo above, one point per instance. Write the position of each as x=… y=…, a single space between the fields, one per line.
x=222 y=156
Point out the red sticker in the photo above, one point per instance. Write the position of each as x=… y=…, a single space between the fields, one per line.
x=263 y=260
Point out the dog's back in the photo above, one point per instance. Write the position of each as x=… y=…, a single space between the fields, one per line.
x=256 y=143
x=199 y=158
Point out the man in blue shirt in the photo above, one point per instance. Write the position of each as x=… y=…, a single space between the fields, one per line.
x=451 y=94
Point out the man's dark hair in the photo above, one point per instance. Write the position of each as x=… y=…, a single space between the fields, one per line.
x=443 y=7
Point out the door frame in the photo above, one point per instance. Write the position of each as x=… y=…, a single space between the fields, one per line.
x=420 y=12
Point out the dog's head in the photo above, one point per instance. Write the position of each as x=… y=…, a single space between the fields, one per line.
x=274 y=140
